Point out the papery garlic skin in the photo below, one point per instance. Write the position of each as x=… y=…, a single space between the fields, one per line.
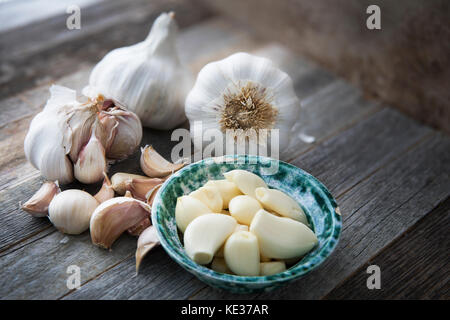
x=281 y=203
x=38 y=204
x=70 y=211
x=205 y=234
x=241 y=253
x=68 y=132
x=243 y=92
x=113 y=217
x=147 y=78
x=119 y=181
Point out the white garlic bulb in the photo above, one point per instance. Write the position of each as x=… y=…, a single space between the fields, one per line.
x=69 y=133
x=147 y=78
x=70 y=211
x=244 y=92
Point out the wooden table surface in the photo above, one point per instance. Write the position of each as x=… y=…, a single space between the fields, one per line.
x=389 y=174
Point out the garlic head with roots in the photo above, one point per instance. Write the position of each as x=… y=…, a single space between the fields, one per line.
x=147 y=78
x=244 y=93
x=69 y=139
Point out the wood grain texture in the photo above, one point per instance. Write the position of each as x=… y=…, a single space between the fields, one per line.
x=415 y=266
x=47 y=50
x=380 y=208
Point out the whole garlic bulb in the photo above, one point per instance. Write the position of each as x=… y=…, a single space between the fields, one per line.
x=69 y=133
x=147 y=78
x=70 y=211
x=244 y=92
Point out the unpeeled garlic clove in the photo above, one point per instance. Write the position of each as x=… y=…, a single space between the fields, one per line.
x=241 y=253
x=139 y=187
x=114 y=216
x=146 y=242
x=154 y=165
x=106 y=192
x=70 y=211
x=150 y=196
x=38 y=204
x=119 y=179
x=281 y=203
x=205 y=234
x=137 y=229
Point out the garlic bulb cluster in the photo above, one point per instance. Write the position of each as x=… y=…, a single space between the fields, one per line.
x=242 y=92
x=70 y=139
x=147 y=78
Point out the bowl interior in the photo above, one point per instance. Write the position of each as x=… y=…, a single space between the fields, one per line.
x=317 y=203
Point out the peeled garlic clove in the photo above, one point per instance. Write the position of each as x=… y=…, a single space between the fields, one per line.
x=119 y=179
x=91 y=163
x=241 y=253
x=281 y=203
x=70 y=211
x=282 y=238
x=114 y=216
x=106 y=192
x=139 y=187
x=137 y=229
x=228 y=190
x=210 y=196
x=147 y=77
x=241 y=227
x=243 y=208
x=219 y=265
x=205 y=234
x=146 y=242
x=154 y=165
x=38 y=204
x=187 y=209
x=270 y=268
x=225 y=212
x=219 y=252
x=246 y=181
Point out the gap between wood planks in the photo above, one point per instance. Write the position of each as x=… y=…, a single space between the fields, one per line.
x=340 y=195
x=340 y=290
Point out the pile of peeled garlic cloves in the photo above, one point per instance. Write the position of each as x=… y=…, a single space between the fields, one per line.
x=106 y=215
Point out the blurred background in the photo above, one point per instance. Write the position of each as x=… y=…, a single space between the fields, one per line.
x=404 y=64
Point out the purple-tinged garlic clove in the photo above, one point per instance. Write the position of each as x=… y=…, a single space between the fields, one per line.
x=106 y=192
x=155 y=166
x=146 y=242
x=119 y=179
x=114 y=216
x=38 y=204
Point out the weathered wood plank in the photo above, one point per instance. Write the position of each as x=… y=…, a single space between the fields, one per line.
x=48 y=50
x=375 y=212
x=39 y=270
x=159 y=278
x=416 y=266
x=397 y=145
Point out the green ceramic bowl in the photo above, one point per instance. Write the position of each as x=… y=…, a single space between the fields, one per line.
x=318 y=204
